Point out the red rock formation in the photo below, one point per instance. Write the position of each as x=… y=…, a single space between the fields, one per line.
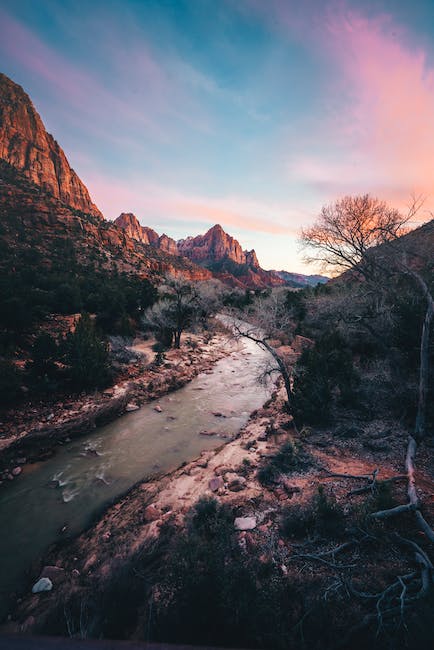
x=168 y=244
x=216 y=245
x=25 y=144
x=24 y=207
x=131 y=225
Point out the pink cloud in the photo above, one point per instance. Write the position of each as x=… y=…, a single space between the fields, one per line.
x=392 y=86
x=374 y=128
x=153 y=203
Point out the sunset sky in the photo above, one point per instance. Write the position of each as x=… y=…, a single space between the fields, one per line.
x=249 y=113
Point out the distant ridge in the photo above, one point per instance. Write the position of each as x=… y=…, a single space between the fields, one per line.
x=298 y=280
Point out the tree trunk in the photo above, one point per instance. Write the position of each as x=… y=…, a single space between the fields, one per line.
x=283 y=370
x=424 y=369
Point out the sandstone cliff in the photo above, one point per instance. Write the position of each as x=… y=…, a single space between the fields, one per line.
x=216 y=245
x=25 y=144
x=31 y=217
x=128 y=222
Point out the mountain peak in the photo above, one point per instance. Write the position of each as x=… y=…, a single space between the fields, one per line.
x=26 y=145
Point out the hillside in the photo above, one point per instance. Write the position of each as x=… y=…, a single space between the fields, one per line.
x=25 y=144
x=215 y=250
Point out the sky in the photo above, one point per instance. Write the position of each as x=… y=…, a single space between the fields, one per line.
x=248 y=113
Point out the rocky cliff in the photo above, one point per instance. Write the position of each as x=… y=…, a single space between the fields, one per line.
x=26 y=145
x=215 y=250
x=214 y=246
x=33 y=219
x=131 y=225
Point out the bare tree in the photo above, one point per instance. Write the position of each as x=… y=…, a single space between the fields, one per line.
x=182 y=304
x=362 y=234
x=267 y=321
x=348 y=228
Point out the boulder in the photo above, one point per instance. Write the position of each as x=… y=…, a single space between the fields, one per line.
x=245 y=523
x=152 y=513
x=215 y=483
x=235 y=483
x=43 y=584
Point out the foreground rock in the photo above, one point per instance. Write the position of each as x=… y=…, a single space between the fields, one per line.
x=245 y=523
x=43 y=584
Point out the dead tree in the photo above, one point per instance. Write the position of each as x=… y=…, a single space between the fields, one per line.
x=268 y=320
x=362 y=235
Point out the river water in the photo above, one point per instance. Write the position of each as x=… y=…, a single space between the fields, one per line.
x=70 y=488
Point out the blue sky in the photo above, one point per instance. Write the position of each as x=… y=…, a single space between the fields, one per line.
x=250 y=113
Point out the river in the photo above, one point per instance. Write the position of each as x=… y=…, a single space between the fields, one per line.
x=71 y=488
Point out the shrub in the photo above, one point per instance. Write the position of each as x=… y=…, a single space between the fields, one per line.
x=321 y=516
x=325 y=374
x=10 y=383
x=87 y=356
x=289 y=458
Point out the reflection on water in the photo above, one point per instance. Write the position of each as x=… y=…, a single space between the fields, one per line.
x=64 y=492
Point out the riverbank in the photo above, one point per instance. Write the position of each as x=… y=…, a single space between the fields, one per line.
x=33 y=431
x=294 y=520
x=83 y=566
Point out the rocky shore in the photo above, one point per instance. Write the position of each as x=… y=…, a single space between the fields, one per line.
x=82 y=566
x=32 y=432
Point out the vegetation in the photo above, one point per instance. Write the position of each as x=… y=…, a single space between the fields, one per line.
x=87 y=356
x=289 y=458
x=325 y=375
x=182 y=305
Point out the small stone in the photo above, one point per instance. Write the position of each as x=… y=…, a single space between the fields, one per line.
x=152 y=513
x=158 y=408
x=17 y=471
x=234 y=480
x=208 y=433
x=75 y=573
x=131 y=407
x=215 y=483
x=245 y=523
x=43 y=584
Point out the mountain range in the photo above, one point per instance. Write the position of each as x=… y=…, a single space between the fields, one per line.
x=38 y=186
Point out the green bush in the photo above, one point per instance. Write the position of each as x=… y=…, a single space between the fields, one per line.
x=212 y=592
x=10 y=383
x=325 y=375
x=289 y=458
x=87 y=356
x=321 y=516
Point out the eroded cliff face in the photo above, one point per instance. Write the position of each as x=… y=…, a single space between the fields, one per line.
x=214 y=246
x=25 y=144
x=129 y=223
x=217 y=250
x=29 y=216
